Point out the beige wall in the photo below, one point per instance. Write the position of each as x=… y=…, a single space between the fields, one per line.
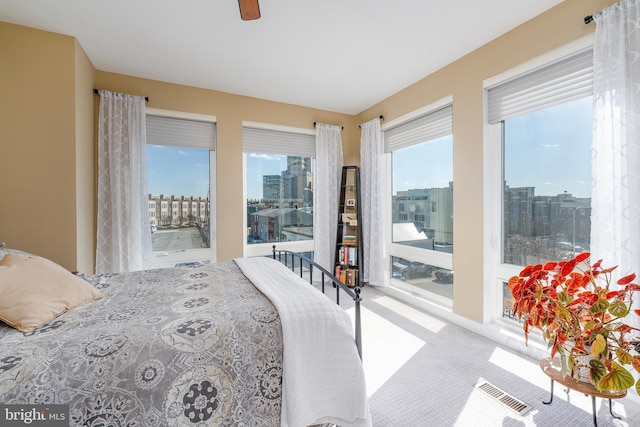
x=463 y=80
x=85 y=160
x=38 y=143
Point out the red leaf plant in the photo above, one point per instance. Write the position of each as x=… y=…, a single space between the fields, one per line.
x=580 y=312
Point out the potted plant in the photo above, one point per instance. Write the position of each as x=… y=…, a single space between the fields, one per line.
x=581 y=313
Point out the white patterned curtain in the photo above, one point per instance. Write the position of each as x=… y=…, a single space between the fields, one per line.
x=615 y=216
x=328 y=174
x=373 y=219
x=124 y=235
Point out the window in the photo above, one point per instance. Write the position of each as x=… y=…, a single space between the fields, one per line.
x=279 y=185
x=181 y=168
x=421 y=153
x=542 y=121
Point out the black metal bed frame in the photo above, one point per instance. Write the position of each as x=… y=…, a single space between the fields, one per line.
x=354 y=293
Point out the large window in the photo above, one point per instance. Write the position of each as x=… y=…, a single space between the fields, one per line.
x=547 y=191
x=279 y=184
x=543 y=122
x=181 y=167
x=421 y=151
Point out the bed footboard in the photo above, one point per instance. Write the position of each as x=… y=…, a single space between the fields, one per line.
x=304 y=264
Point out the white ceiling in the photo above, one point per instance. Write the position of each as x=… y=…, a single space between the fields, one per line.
x=337 y=55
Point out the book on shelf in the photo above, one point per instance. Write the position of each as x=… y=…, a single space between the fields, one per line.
x=348 y=255
x=349 y=240
x=348 y=276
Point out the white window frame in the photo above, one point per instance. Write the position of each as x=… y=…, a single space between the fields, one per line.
x=163 y=259
x=425 y=256
x=262 y=249
x=496 y=272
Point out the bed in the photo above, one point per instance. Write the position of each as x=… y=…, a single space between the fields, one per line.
x=223 y=344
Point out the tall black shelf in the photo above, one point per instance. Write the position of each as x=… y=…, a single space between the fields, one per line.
x=349 y=257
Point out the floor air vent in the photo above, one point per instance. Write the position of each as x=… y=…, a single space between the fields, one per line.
x=506 y=399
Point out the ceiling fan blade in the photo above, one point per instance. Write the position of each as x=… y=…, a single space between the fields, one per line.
x=249 y=9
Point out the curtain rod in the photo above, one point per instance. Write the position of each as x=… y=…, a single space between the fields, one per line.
x=588 y=19
x=315 y=123
x=381 y=117
x=96 y=91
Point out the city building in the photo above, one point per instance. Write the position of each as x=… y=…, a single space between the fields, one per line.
x=285 y=212
x=177 y=211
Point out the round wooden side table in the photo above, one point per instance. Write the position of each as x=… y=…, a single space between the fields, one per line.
x=553 y=369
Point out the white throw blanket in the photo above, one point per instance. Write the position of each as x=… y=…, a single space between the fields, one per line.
x=323 y=377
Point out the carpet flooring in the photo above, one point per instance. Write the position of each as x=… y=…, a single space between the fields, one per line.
x=422 y=371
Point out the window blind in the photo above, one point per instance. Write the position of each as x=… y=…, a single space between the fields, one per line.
x=255 y=140
x=429 y=126
x=163 y=130
x=565 y=80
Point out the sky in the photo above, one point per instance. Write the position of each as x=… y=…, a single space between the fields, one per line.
x=185 y=171
x=540 y=151
x=179 y=171
x=549 y=149
x=426 y=165
x=259 y=165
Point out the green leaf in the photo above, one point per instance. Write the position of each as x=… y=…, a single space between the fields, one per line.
x=617 y=380
x=624 y=356
x=600 y=306
x=638 y=387
x=618 y=308
x=589 y=325
x=564 y=297
x=597 y=370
